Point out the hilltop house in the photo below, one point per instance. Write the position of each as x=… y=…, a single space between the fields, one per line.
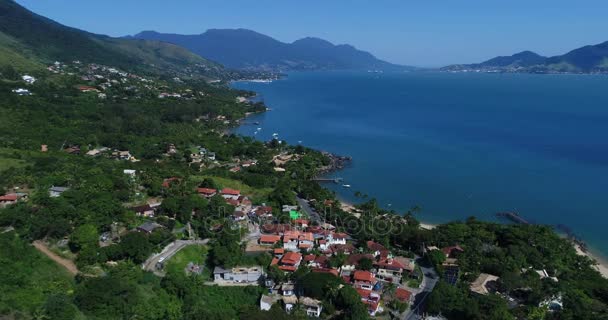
x=269 y=240
x=290 y=261
x=12 y=198
x=148 y=227
x=228 y=193
x=206 y=192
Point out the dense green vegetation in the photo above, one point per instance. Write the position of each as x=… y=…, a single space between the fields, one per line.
x=513 y=253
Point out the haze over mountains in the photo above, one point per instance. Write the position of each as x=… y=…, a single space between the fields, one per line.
x=587 y=59
x=247 y=49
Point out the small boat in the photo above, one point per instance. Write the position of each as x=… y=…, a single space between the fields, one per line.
x=258 y=129
x=256 y=123
x=346 y=185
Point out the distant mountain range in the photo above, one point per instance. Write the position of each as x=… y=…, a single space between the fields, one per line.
x=30 y=41
x=246 y=49
x=588 y=59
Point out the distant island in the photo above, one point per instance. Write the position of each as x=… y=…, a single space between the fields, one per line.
x=247 y=49
x=592 y=59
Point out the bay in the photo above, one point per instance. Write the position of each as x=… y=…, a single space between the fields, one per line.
x=457 y=145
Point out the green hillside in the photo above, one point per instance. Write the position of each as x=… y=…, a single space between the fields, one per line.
x=28 y=40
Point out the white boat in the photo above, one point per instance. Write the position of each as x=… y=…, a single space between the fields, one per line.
x=346 y=185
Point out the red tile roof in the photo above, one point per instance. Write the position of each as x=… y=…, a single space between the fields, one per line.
x=274 y=261
x=326 y=270
x=354 y=259
x=448 y=250
x=206 y=191
x=363 y=276
x=301 y=221
x=375 y=246
x=322 y=261
x=267 y=238
x=291 y=258
x=288 y=268
x=232 y=192
x=389 y=264
x=402 y=294
x=232 y=202
x=309 y=257
x=9 y=197
x=279 y=250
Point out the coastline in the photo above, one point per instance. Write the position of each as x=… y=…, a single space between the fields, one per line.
x=601 y=263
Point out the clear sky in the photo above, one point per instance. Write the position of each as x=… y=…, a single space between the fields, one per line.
x=413 y=32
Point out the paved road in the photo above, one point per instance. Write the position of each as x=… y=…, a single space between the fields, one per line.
x=312 y=213
x=169 y=251
x=429 y=280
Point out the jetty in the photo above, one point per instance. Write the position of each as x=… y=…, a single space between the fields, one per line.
x=334 y=180
x=513 y=217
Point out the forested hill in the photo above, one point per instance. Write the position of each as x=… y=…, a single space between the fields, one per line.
x=28 y=41
x=247 y=49
x=587 y=59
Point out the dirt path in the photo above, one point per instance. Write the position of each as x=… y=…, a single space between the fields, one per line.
x=67 y=264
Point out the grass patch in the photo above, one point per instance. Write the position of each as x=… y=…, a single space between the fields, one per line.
x=9 y=159
x=192 y=253
x=28 y=277
x=254 y=193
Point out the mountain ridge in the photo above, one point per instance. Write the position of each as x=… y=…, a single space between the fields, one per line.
x=586 y=59
x=248 y=49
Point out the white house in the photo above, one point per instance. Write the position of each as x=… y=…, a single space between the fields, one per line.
x=28 y=79
x=130 y=172
x=312 y=306
x=22 y=92
x=55 y=192
x=336 y=238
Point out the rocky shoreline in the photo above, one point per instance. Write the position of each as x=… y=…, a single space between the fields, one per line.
x=336 y=163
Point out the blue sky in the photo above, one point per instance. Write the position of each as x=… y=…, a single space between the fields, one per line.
x=414 y=32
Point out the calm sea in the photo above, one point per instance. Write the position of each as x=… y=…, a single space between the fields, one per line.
x=456 y=145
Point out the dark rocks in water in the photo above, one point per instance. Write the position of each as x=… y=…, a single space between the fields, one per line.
x=336 y=162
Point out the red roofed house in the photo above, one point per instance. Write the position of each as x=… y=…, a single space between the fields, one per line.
x=336 y=238
x=87 y=89
x=11 y=198
x=391 y=270
x=290 y=261
x=306 y=241
x=269 y=240
x=263 y=211
x=371 y=299
x=403 y=295
x=377 y=249
x=364 y=280
x=309 y=258
x=206 y=192
x=327 y=270
x=228 y=193
x=279 y=251
x=451 y=252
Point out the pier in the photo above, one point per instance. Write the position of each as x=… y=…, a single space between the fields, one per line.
x=334 y=180
x=513 y=217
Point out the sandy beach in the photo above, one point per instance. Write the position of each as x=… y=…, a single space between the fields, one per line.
x=601 y=266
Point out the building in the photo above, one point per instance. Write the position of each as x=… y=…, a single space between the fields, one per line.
x=377 y=249
x=364 y=280
x=290 y=261
x=403 y=295
x=238 y=274
x=266 y=302
x=206 y=192
x=12 y=198
x=352 y=262
x=22 y=92
x=391 y=269
x=485 y=284
x=55 y=192
x=28 y=79
x=148 y=227
x=269 y=240
x=130 y=172
x=228 y=193
x=144 y=210
x=312 y=306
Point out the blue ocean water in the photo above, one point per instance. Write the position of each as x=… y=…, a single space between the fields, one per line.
x=456 y=145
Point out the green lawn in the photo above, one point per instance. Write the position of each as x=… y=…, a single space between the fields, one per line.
x=235 y=184
x=192 y=253
x=8 y=160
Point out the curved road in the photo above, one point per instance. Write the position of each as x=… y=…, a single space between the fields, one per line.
x=429 y=280
x=169 y=251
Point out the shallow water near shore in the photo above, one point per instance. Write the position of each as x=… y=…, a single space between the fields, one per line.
x=456 y=145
